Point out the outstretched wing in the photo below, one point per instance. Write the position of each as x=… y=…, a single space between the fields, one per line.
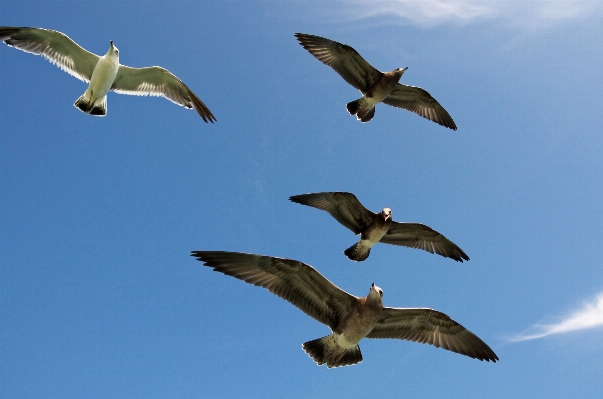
x=55 y=46
x=419 y=101
x=431 y=327
x=343 y=59
x=294 y=281
x=344 y=207
x=158 y=81
x=417 y=235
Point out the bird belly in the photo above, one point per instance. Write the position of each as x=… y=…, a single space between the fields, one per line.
x=366 y=104
x=369 y=239
x=375 y=97
x=372 y=235
x=102 y=78
x=370 y=102
x=364 y=245
x=348 y=342
x=378 y=93
x=354 y=332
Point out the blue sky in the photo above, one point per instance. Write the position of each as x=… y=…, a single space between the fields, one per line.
x=100 y=298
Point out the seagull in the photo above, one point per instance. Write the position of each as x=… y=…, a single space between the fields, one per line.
x=350 y=318
x=378 y=227
x=104 y=73
x=374 y=85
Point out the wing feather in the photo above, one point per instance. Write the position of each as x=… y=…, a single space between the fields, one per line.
x=343 y=59
x=158 y=81
x=344 y=207
x=294 y=281
x=432 y=327
x=419 y=101
x=417 y=235
x=55 y=46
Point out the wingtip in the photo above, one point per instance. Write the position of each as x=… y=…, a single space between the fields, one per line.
x=490 y=357
x=301 y=40
x=7 y=31
x=297 y=198
x=461 y=255
x=209 y=119
x=447 y=122
x=202 y=110
x=460 y=258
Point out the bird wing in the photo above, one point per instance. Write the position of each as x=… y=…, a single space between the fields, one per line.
x=158 y=81
x=419 y=101
x=294 y=281
x=55 y=46
x=343 y=59
x=431 y=327
x=417 y=235
x=344 y=207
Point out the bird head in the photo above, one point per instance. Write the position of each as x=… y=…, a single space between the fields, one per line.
x=399 y=72
x=386 y=213
x=375 y=291
x=113 y=49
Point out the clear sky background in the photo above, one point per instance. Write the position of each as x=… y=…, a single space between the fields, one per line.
x=100 y=298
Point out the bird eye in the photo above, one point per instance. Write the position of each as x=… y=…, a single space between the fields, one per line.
x=381 y=293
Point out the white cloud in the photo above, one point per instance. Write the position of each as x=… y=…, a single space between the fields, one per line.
x=589 y=316
x=526 y=13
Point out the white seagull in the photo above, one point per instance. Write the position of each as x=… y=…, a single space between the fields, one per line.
x=104 y=73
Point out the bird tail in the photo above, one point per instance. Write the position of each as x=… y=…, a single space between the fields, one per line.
x=356 y=253
x=353 y=106
x=357 y=107
x=326 y=350
x=92 y=106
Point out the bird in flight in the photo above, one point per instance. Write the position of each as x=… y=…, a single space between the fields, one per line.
x=374 y=85
x=350 y=318
x=378 y=227
x=104 y=73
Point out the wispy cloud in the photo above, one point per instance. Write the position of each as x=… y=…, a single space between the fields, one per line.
x=531 y=14
x=589 y=316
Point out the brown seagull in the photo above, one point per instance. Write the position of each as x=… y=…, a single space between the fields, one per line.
x=350 y=318
x=104 y=73
x=378 y=227
x=374 y=85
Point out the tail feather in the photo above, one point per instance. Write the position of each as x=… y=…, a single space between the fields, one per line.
x=359 y=108
x=81 y=104
x=368 y=116
x=326 y=350
x=355 y=253
x=91 y=106
x=353 y=106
